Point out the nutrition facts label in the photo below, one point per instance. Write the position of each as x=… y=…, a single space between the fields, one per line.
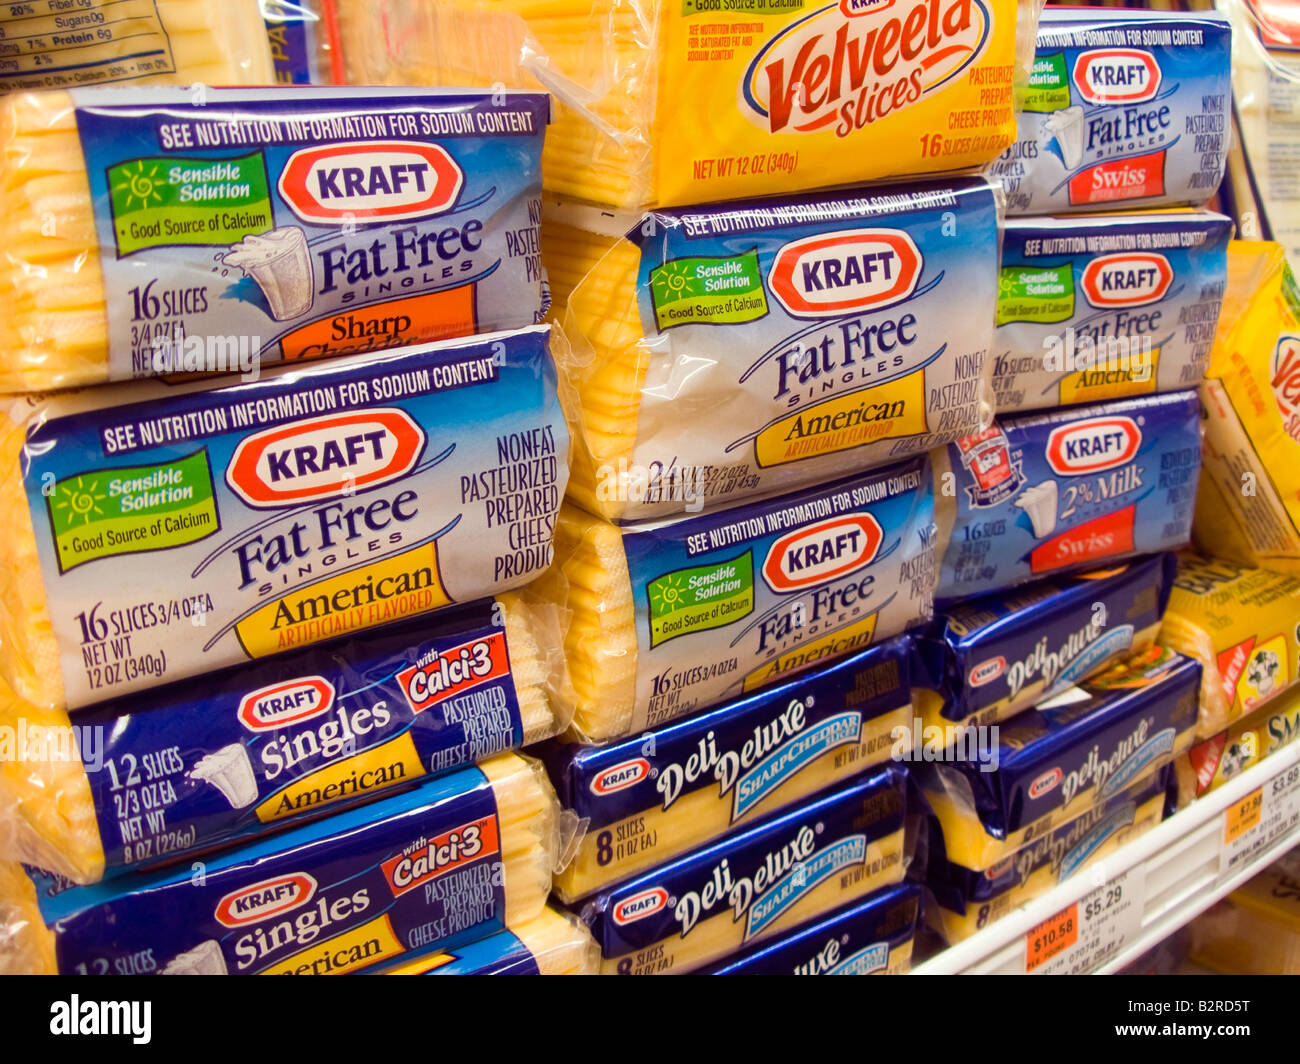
x=51 y=44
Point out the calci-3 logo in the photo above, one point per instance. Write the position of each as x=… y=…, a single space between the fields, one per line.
x=337 y=184
x=825 y=551
x=858 y=61
x=1127 y=279
x=1093 y=446
x=1116 y=75
x=851 y=271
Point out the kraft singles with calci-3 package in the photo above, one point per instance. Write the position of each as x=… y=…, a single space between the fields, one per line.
x=1105 y=306
x=1039 y=494
x=1123 y=108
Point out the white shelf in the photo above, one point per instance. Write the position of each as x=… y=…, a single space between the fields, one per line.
x=1177 y=863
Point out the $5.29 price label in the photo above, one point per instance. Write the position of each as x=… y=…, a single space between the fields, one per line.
x=1083 y=936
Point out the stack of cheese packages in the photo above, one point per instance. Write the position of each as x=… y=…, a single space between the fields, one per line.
x=265 y=644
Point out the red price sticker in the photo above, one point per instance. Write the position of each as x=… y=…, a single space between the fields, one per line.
x=1051 y=937
x=1240 y=818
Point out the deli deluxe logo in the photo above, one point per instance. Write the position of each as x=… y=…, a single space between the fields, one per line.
x=1128 y=279
x=1092 y=446
x=325 y=456
x=430 y=859
x=840 y=273
x=261 y=901
x=447 y=673
x=377 y=181
x=620 y=777
x=825 y=551
x=1117 y=75
x=283 y=704
x=640 y=906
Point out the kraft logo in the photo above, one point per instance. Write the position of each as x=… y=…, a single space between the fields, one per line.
x=856 y=8
x=640 y=905
x=342 y=183
x=620 y=777
x=822 y=552
x=987 y=671
x=1117 y=75
x=325 y=456
x=1285 y=380
x=1092 y=446
x=286 y=703
x=271 y=897
x=830 y=275
x=1127 y=280
x=1045 y=783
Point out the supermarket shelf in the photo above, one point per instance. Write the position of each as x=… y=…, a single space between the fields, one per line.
x=1179 y=865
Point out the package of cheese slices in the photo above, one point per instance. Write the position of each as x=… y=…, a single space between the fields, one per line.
x=552 y=943
x=64 y=44
x=664 y=103
x=1104 y=306
x=745 y=348
x=673 y=617
x=756 y=883
x=157 y=232
x=145 y=778
x=1214 y=761
x=1049 y=765
x=652 y=797
x=1122 y=108
x=1036 y=495
x=304 y=36
x=160 y=532
x=448 y=862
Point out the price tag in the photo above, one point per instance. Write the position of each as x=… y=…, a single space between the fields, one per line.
x=1262 y=817
x=1051 y=937
x=1083 y=937
x=1238 y=820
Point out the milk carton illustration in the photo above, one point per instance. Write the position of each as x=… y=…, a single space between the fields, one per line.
x=280 y=263
x=203 y=959
x=1067 y=127
x=230 y=771
x=1039 y=503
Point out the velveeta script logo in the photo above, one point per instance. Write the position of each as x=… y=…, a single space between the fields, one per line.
x=640 y=905
x=380 y=181
x=1127 y=279
x=325 y=456
x=825 y=551
x=1092 y=446
x=287 y=703
x=261 y=901
x=1117 y=75
x=839 y=273
x=1285 y=378
x=620 y=777
x=454 y=671
x=858 y=61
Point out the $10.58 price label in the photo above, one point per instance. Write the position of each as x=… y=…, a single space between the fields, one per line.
x=1085 y=935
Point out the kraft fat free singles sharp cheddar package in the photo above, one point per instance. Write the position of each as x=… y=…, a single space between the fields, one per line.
x=159 y=532
x=664 y=103
x=154 y=231
x=1051 y=764
x=727 y=351
x=551 y=943
x=243 y=752
x=1039 y=494
x=756 y=883
x=449 y=862
x=1213 y=762
x=1123 y=108
x=1097 y=307
x=653 y=797
x=673 y=617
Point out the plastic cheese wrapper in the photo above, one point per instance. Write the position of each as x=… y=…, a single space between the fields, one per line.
x=741 y=349
x=665 y=103
x=1243 y=626
x=756 y=883
x=970 y=900
x=59 y=44
x=673 y=617
x=660 y=794
x=551 y=943
x=243 y=752
x=1105 y=306
x=1051 y=764
x=160 y=532
x=448 y=862
x=870 y=938
x=1039 y=494
x=1214 y=761
x=1249 y=507
x=985 y=661
x=151 y=232
x=1123 y=108
x=304 y=42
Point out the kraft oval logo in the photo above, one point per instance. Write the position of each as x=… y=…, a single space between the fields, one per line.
x=1285 y=379
x=987 y=671
x=640 y=905
x=1117 y=75
x=620 y=777
x=1127 y=279
x=390 y=180
x=822 y=552
x=286 y=703
x=1045 y=783
x=271 y=897
x=1093 y=445
x=838 y=273
x=324 y=456
x=858 y=8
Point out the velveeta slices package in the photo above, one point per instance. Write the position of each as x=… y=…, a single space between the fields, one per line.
x=1040 y=494
x=754 y=884
x=987 y=660
x=748 y=348
x=1104 y=306
x=1049 y=765
x=160 y=532
x=552 y=943
x=1214 y=761
x=871 y=938
x=1122 y=108
x=152 y=232
x=660 y=794
x=673 y=617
